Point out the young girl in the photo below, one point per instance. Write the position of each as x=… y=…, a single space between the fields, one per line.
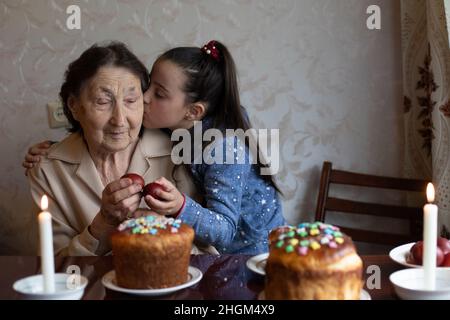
x=240 y=206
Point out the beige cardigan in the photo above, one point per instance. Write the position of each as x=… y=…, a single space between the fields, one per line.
x=70 y=180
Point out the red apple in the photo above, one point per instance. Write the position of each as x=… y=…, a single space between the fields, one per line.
x=417 y=251
x=151 y=189
x=439 y=257
x=446 y=262
x=135 y=178
x=417 y=254
x=444 y=244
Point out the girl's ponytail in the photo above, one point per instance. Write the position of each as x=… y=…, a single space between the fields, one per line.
x=230 y=113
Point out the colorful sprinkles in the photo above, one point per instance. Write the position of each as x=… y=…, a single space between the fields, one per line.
x=150 y=225
x=318 y=234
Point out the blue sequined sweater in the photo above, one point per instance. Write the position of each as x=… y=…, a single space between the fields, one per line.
x=240 y=208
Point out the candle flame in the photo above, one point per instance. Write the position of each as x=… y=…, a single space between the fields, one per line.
x=430 y=192
x=44 y=203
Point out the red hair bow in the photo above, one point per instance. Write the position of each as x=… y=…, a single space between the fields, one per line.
x=211 y=49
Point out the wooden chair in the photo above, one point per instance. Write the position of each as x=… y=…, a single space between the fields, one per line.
x=411 y=215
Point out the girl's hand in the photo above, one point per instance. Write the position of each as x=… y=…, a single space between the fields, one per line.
x=172 y=199
x=120 y=199
x=34 y=153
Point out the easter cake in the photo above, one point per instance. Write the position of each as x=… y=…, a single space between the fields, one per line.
x=152 y=252
x=312 y=261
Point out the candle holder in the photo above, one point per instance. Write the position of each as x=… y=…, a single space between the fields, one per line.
x=409 y=284
x=32 y=288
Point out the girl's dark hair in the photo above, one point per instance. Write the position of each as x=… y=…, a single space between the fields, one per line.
x=213 y=80
x=86 y=66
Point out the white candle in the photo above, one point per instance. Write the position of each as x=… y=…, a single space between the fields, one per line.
x=46 y=241
x=430 y=239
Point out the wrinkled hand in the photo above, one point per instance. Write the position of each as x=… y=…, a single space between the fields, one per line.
x=120 y=199
x=34 y=154
x=172 y=198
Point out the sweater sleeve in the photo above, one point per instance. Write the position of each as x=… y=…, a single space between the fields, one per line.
x=217 y=222
x=66 y=240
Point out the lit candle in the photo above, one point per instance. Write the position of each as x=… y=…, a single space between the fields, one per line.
x=46 y=239
x=430 y=211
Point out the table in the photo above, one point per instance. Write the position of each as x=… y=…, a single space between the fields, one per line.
x=224 y=277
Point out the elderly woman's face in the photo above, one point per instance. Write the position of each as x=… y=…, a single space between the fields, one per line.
x=110 y=109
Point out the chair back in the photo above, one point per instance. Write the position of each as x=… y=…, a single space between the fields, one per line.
x=411 y=215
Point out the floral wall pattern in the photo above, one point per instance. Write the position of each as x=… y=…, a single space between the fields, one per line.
x=310 y=68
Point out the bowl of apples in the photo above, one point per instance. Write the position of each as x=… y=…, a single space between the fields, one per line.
x=411 y=254
x=410 y=283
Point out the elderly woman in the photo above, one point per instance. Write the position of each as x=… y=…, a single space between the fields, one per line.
x=103 y=100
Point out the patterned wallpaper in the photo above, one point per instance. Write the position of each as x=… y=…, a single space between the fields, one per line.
x=308 y=67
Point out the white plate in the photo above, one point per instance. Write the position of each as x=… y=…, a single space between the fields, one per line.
x=399 y=254
x=65 y=288
x=258 y=263
x=409 y=284
x=363 y=296
x=109 y=281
